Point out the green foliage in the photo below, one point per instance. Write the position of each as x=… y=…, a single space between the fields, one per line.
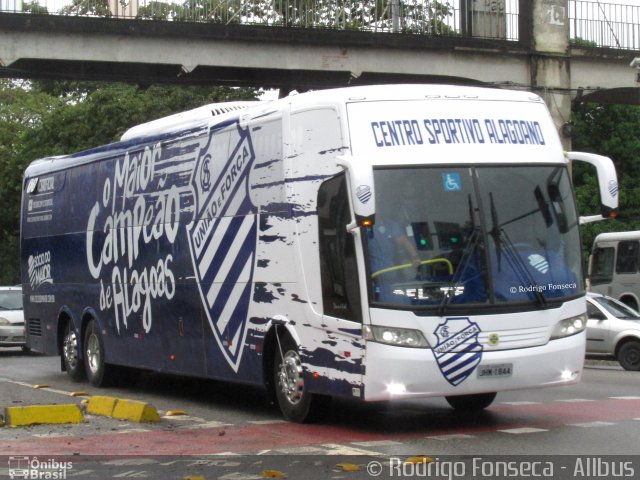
x=41 y=119
x=98 y=8
x=581 y=42
x=34 y=7
x=611 y=130
x=414 y=16
x=20 y=111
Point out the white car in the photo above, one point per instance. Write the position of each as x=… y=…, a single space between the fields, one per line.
x=613 y=330
x=11 y=317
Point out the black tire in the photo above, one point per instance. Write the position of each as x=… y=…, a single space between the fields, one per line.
x=99 y=373
x=629 y=356
x=71 y=359
x=471 y=403
x=295 y=402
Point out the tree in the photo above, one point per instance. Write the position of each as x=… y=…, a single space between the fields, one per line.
x=41 y=119
x=20 y=110
x=611 y=130
x=97 y=8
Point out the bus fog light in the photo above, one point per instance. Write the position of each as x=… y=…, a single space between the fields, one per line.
x=396 y=388
x=401 y=337
x=569 y=326
x=567 y=375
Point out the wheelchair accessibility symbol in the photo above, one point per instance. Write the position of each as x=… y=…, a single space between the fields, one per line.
x=451 y=182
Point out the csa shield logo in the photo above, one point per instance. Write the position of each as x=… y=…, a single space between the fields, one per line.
x=458 y=351
x=222 y=237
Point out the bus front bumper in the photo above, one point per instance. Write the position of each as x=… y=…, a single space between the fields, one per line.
x=394 y=373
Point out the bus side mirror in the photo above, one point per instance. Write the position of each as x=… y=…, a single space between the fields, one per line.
x=607 y=184
x=361 y=191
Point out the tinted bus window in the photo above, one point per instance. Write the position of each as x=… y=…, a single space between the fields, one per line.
x=627 y=261
x=602 y=265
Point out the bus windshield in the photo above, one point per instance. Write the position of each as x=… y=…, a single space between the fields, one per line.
x=495 y=235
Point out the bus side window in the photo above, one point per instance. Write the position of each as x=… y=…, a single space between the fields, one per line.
x=627 y=259
x=602 y=265
x=338 y=267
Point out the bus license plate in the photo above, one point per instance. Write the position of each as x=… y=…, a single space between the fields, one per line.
x=494 y=371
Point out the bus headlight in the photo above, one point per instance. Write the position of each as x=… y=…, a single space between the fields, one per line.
x=400 y=337
x=569 y=326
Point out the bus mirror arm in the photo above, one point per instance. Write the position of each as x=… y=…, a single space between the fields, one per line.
x=361 y=187
x=607 y=184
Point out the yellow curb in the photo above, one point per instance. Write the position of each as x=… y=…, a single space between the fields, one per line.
x=135 y=411
x=101 y=405
x=43 y=414
x=122 y=409
x=174 y=413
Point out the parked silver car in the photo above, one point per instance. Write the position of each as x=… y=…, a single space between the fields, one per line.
x=613 y=330
x=11 y=317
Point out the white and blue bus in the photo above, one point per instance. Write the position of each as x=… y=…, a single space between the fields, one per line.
x=377 y=243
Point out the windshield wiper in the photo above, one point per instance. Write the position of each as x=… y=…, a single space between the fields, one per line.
x=515 y=261
x=459 y=274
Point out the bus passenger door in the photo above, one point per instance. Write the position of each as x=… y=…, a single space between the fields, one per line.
x=342 y=311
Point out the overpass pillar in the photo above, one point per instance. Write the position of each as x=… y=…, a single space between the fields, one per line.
x=550 y=60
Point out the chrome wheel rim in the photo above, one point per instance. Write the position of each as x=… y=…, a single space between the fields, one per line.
x=70 y=348
x=93 y=353
x=290 y=378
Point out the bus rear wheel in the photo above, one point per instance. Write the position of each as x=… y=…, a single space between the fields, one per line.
x=295 y=402
x=99 y=373
x=471 y=403
x=73 y=364
x=629 y=356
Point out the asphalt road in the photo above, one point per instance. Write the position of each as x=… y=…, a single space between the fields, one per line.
x=231 y=432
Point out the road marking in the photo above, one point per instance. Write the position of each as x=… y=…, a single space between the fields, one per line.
x=299 y=450
x=454 y=436
x=574 y=400
x=211 y=424
x=337 y=449
x=377 y=443
x=591 y=424
x=518 y=431
x=626 y=398
x=181 y=418
x=241 y=476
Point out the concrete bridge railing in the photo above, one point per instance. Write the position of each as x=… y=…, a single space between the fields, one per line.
x=591 y=23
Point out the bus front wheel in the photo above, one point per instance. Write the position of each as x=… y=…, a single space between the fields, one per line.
x=295 y=402
x=471 y=403
x=98 y=372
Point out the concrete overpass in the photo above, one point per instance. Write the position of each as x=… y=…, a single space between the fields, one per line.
x=541 y=58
